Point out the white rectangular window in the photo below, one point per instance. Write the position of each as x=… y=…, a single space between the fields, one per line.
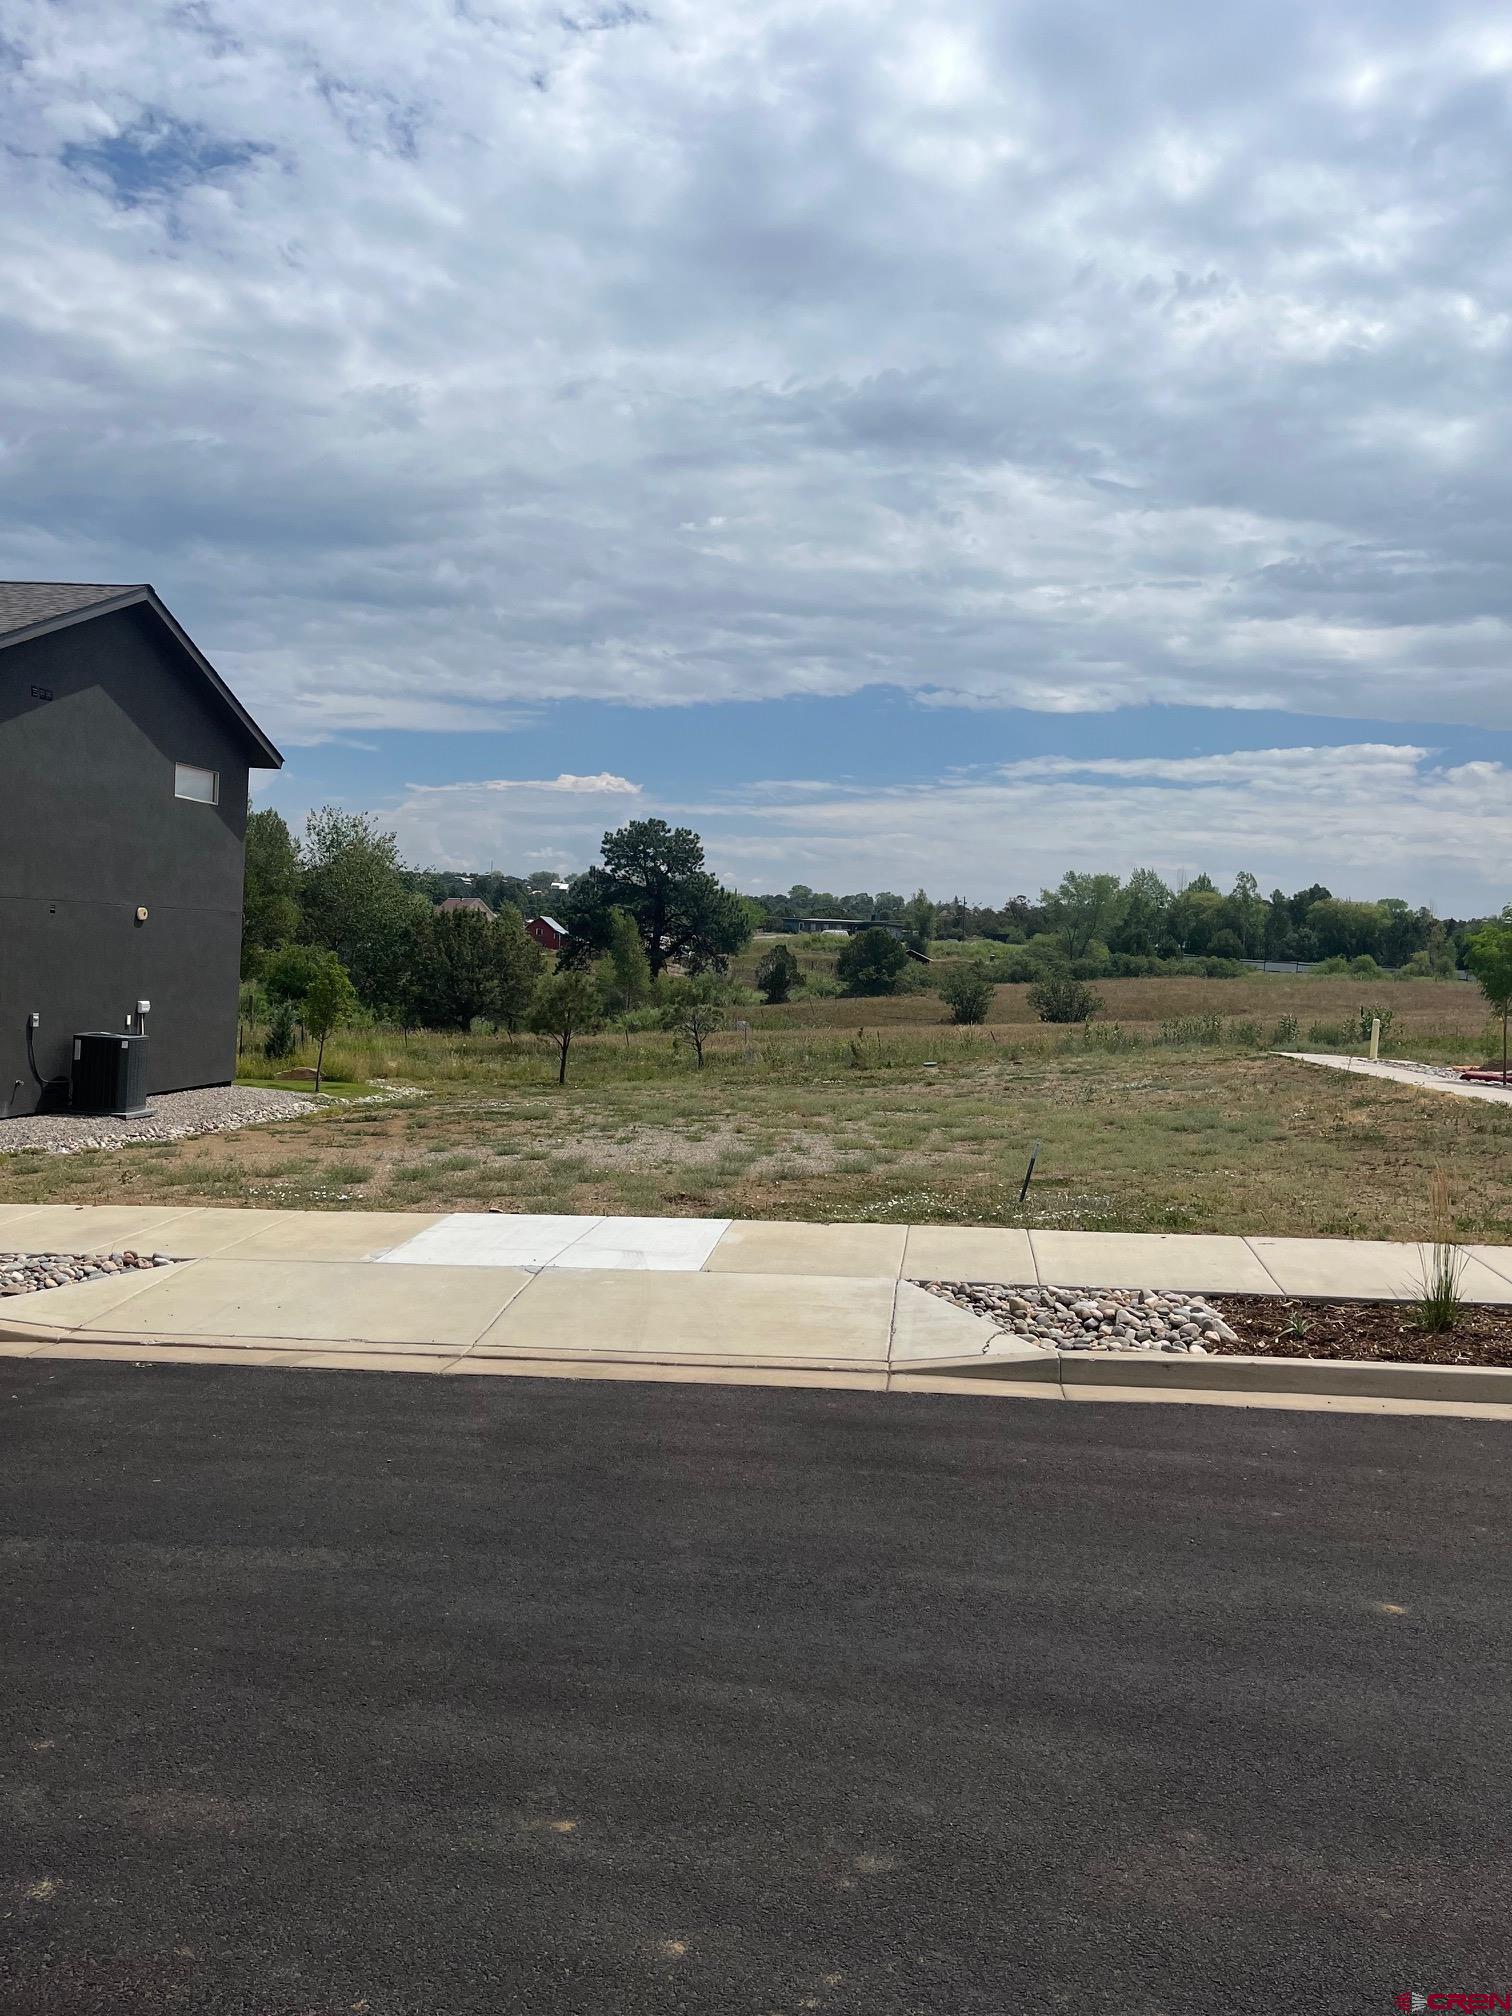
x=203 y=786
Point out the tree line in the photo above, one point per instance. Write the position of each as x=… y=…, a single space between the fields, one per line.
x=1102 y=918
x=336 y=924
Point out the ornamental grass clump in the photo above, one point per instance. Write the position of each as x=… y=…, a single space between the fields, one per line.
x=1441 y=1265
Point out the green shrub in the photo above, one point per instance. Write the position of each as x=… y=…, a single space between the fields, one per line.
x=1332 y=1035
x=777 y=974
x=863 y=1053
x=1246 y=1035
x=871 y=962
x=1286 y=1033
x=1184 y=1029
x=1107 y=1036
x=1387 y=1016
x=278 y=1043
x=1061 y=997
x=967 y=993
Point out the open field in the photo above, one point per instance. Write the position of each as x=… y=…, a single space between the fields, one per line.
x=1430 y=1019
x=1162 y=1138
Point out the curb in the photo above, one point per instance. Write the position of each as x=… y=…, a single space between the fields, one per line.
x=1079 y=1373
x=1073 y=1374
x=1341 y=1378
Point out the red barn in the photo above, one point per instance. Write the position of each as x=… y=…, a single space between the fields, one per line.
x=547 y=933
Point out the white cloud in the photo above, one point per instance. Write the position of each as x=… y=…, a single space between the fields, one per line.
x=437 y=362
x=504 y=821
x=1368 y=819
x=605 y=784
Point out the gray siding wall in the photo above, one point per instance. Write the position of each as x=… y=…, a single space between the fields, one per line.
x=90 y=830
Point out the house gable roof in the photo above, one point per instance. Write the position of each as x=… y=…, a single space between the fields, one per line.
x=552 y=924
x=36 y=608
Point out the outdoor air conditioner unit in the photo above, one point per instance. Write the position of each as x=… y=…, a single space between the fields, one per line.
x=109 y=1073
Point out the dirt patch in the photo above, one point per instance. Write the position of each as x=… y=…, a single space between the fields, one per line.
x=647 y=1149
x=1266 y=1326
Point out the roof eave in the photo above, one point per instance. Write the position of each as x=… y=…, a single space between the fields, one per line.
x=272 y=757
x=268 y=757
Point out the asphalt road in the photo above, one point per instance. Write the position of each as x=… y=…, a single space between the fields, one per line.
x=351 y=1692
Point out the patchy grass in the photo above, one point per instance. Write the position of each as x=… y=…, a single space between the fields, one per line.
x=1161 y=1139
x=333 y=1088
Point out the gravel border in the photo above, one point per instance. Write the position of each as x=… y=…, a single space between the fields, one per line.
x=29 y=1273
x=179 y=1116
x=170 y=1116
x=1094 y=1319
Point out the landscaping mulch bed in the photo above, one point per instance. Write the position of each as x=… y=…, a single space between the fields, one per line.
x=1265 y=1325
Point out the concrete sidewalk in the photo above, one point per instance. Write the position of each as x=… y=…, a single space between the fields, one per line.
x=465 y=1241
x=759 y=1303
x=1403 y=1074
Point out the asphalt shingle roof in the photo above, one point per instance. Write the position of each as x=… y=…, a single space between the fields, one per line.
x=23 y=603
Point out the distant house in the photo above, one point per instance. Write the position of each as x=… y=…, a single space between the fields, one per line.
x=450 y=903
x=123 y=808
x=547 y=933
x=849 y=925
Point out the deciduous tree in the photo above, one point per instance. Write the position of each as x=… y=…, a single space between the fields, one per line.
x=356 y=901
x=270 y=889
x=564 y=1005
x=695 y=1007
x=329 y=1001
x=1489 y=957
x=1081 y=910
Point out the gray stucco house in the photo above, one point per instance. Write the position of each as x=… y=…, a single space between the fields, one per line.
x=123 y=806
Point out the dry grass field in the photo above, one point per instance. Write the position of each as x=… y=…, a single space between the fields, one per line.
x=1430 y=1018
x=876 y=1110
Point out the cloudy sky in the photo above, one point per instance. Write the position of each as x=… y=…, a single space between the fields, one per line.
x=912 y=444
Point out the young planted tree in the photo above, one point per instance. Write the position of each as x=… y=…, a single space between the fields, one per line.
x=328 y=1003
x=967 y=993
x=564 y=1005
x=695 y=1008
x=777 y=974
x=1489 y=957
